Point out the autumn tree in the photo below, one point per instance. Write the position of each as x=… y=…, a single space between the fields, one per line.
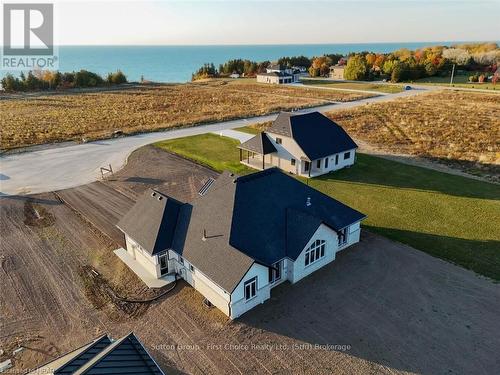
x=356 y=69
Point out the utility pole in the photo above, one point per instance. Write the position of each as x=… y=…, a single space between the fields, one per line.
x=452 y=74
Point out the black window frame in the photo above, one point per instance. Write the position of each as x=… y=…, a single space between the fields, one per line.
x=337 y=159
x=326 y=162
x=250 y=288
x=318 y=163
x=292 y=161
x=315 y=252
x=347 y=155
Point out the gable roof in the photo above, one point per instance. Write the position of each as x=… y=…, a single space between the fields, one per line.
x=316 y=134
x=211 y=215
x=124 y=356
x=260 y=144
x=151 y=222
x=103 y=356
x=261 y=217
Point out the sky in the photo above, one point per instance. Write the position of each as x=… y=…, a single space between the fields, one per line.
x=273 y=22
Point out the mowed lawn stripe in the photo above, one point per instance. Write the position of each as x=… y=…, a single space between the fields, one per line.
x=447 y=216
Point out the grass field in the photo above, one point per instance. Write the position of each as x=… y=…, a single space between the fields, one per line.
x=458 y=128
x=354 y=85
x=447 y=216
x=460 y=80
x=50 y=118
x=214 y=151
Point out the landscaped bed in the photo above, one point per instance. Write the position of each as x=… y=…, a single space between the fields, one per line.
x=39 y=118
x=451 y=217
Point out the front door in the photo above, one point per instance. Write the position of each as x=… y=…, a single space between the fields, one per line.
x=163 y=259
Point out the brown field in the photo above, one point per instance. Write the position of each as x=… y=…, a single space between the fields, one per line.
x=387 y=307
x=39 y=119
x=456 y=128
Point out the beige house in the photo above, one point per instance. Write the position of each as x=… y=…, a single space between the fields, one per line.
x=240 y=238
x=337 y=72
x=306 y=144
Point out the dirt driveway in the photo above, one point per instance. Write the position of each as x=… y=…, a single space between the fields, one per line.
x=381 y=307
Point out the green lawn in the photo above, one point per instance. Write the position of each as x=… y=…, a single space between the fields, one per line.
x=354 y=85
x=214 y=151
x=460 y=80
x=447 y=216
x=248 y=129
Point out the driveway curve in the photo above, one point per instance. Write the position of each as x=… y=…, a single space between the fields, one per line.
x=61 y=166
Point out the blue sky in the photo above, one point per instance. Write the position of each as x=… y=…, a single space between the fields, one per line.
x=275 y=22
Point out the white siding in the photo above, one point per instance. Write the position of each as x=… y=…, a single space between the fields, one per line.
x=149 y=262
x=342 y=163
x=300 y=270
x=238 y=303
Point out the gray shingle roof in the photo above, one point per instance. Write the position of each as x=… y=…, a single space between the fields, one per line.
x=214 y=256
x=261 y=217
x=316 y=134
x=151 y=222
x=260 y=144
x=275 y=74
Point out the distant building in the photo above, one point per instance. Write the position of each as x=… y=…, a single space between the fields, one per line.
x=234 y=75
x=277 y=74
x=337 y=72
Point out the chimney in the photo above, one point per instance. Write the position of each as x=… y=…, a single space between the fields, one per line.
x=308 y=201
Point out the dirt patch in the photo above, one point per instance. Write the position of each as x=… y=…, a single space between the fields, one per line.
x=151 y=167
x=36 y=215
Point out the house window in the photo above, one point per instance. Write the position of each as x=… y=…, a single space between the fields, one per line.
x=315 y=252
x=336 y=159
x=326 y=162
x=342 y=234
x=191 y=268
x=292 y=161
x=250 y=288
x=163 y=260
x=347 y=155
x=318 y=163
x=306 y=166
x=275 y=272
x=181 y=260
x=278 y=141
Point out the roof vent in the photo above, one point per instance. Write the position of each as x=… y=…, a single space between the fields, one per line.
x=308 y=201
x=153 y=194
x=160 y=198
x=204 y=189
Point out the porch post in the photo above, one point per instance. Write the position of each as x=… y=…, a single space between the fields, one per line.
x=310 y=167
x=241 y=153
x=248 y=157
x=263 y=159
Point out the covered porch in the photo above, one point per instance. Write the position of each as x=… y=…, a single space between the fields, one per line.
x=257 y=152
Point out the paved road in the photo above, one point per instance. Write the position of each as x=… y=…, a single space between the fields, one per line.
x=55 y=167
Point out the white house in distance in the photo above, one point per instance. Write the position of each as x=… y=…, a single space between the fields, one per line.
x=278 y=74
x=240 y=238
x=306 y=144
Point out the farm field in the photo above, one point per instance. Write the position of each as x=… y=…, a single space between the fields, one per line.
x=383 y=88
x=424 y=306
x=455 y=128
x=447 y=216
x=33 y=120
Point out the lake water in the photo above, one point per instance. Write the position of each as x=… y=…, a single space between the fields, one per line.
x=177 y=63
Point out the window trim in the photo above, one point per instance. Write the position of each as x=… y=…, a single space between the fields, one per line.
x=347 y=155
x=315 y=252
x=249 y=283
x=344 y=234
x=292 y=161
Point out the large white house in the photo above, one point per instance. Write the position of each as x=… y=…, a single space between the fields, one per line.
x=306 y=144
x=240 y=238
x=278 y=74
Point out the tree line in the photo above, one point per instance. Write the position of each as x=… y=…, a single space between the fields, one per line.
x=400 y=65
x=51 y=80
